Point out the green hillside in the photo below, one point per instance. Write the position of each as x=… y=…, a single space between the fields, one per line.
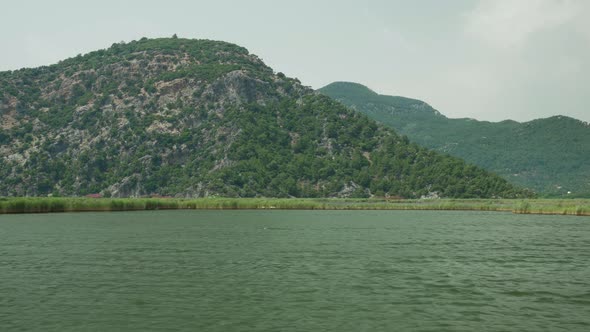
x=194 y=118
x=550 y=156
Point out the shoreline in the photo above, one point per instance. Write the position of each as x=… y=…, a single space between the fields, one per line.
x=19 y=205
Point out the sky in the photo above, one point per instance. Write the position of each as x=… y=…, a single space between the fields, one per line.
x=483 y=59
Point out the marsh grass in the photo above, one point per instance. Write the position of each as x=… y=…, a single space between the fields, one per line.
x=580 y=207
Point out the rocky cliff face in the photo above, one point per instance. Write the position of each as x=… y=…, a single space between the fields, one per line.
x=194 y=118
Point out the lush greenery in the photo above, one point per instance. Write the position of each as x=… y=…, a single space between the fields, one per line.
x=551 y=156
x=193 y=118
x=580 y=207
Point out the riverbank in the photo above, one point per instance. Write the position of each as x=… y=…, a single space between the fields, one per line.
x=580 y=207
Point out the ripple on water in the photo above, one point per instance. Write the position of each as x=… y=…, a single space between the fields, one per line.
x=294 y=271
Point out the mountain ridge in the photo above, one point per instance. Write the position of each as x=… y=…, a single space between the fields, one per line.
x=534 y=154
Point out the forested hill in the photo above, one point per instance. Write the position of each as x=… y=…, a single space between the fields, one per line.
x=193 y=118
x=551 y=156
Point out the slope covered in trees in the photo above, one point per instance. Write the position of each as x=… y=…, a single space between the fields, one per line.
x=193 y=118
x=551 y=156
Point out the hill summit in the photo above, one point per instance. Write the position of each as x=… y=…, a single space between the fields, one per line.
x=194 y=118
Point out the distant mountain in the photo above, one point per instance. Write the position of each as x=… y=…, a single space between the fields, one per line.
x=191 y=118
x=551 y=156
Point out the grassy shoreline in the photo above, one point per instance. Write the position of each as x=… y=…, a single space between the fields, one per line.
x=579 y=207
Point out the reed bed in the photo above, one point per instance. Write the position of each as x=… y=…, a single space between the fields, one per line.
x=580 y=207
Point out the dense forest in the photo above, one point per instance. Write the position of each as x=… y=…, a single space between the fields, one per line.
x=550 y=156
x=194 y=118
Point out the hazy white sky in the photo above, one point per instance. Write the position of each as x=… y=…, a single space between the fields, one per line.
x=485 y=59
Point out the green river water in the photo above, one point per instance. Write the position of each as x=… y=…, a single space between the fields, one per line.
x=294 y=271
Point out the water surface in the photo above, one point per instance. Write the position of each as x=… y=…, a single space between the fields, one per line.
x=294 y=271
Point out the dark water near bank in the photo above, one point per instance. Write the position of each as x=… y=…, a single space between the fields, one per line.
x=294 y=271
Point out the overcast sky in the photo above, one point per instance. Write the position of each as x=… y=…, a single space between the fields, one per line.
x=484 y=59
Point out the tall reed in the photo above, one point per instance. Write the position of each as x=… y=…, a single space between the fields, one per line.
x=580 y=207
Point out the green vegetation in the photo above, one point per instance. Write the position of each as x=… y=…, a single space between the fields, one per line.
x=194 y=118
x=550 y=156
x=579 y=207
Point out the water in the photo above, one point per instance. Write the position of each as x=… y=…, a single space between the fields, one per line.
x=294 y=271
